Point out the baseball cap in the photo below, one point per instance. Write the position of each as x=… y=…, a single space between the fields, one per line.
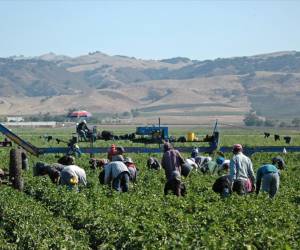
x=237 y=148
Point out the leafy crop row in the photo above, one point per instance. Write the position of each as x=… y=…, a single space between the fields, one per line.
x=145 y=218
x=28 y=225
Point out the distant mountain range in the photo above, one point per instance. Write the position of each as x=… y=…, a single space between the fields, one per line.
x=175 y=87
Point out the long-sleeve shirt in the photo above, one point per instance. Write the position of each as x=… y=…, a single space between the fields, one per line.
x=113 y=169
x=71 y=171
x=241 y=168
x=171 y=161
x=263 y=170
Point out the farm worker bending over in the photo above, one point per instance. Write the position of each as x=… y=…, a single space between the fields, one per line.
x=269 y=175
x=72 y=175
x=241 y=171
x=188 y=166
x=171 y=160
x=117 y=173
x=222 y=185
x=131 y=168
x=202 y=163
x=53 y=170
x=175 y=185
x=153 y=163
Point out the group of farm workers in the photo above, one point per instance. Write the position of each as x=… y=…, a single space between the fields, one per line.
x=118 y=171
x=241 y=177
x=65 y=172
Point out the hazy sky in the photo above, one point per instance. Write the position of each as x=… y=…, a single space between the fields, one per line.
x=149 y=29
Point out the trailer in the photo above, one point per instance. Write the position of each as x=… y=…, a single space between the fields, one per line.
x=153 y=134
x=27 y=146
x=213 y=146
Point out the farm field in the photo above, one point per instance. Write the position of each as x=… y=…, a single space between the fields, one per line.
x=46 y=216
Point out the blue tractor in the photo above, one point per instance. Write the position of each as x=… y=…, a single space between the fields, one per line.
x=154 y=134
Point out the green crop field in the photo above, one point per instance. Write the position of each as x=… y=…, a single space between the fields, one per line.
x=46 y=216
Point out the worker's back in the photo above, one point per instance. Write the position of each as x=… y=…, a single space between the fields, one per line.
x=115 y=168
x=241 y=167
x=172 y=161
x=72 y=171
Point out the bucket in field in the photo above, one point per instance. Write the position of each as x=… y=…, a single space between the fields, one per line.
x=190 y=136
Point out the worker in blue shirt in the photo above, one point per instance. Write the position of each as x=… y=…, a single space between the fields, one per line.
x=268 y=174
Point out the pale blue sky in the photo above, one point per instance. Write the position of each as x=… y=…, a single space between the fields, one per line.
x=149 y=29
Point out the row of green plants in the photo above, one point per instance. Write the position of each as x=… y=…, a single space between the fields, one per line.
x=144 y=218
x=28 y=224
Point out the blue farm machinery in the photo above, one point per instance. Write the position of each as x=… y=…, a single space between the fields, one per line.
x=154 y=134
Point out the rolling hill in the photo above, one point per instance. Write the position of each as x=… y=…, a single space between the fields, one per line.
x=173 y=88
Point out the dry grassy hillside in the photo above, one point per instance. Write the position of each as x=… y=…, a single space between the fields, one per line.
x=193 y=98
x=172 y=88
